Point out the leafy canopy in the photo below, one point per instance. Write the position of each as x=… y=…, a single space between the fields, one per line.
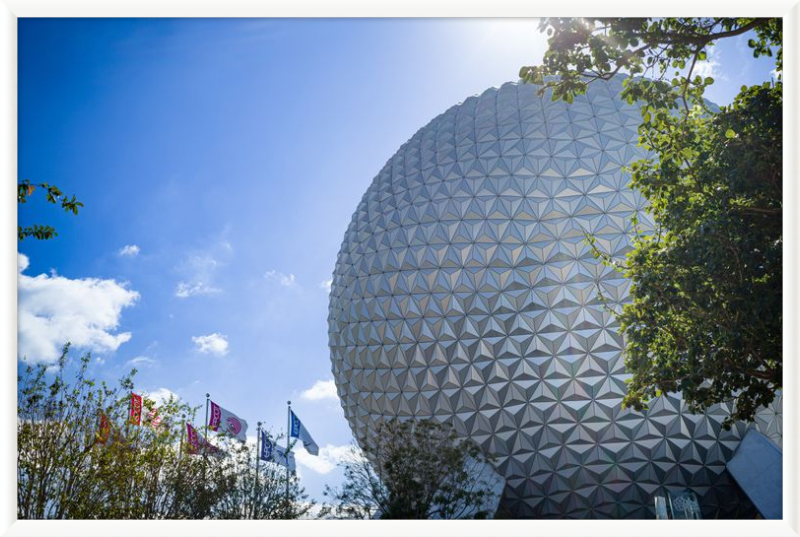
x=414 y=470
x=705 y=309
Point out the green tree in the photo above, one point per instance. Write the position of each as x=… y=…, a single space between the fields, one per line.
x=262 y=498
x=67 y=468
x=705 y=313
x=53 y=195
x=414 y=470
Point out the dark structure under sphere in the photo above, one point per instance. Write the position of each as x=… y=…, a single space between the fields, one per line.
x=465 y=292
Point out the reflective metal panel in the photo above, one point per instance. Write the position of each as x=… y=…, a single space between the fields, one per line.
x=464 y=291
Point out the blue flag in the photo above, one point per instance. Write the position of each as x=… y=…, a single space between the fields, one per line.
x=299 y=431
x=266 y=447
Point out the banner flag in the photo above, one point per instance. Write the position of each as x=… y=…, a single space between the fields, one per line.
x=104 y=430
x=271 y=452
x=153 y=419
x=298 y=430
x=266 y=447
x=284 y=458
x=135 y=417
x=192 y=440
x=224 y=421
x=197 y=445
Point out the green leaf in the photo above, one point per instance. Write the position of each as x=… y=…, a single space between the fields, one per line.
x=730 y=134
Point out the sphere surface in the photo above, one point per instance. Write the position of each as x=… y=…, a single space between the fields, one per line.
x=465 y=292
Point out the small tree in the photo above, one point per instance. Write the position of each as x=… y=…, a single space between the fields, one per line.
x=414 y=470
x=264 y=498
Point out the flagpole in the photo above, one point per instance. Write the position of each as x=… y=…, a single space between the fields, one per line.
x=206 y=422
x=258 y=457
x=180 y=447
x=204 y=443
x=288 y=437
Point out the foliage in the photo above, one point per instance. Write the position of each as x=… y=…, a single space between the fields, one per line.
x=264 y=497
x=66 y=471
x=53 y=195
x=413 y=470
x=705 y=314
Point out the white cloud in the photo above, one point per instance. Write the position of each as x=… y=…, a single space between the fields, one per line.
x=142 y=361
x=327 y=460
x=161 y=396
x=185 y=290
x=129 y=250
x=54 y=310
x=212 y=344
x=279 y=277
x=198 y=272
x=709 y=67
x=322 y=389
x=326 y=285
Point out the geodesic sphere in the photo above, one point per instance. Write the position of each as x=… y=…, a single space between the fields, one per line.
x=465 y=292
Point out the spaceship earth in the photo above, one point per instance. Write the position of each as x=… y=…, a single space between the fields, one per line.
x=465 y=292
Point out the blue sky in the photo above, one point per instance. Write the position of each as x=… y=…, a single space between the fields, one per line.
x=228 y=156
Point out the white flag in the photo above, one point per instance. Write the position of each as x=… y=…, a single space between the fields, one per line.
x=227 y=422
x=299 y=431
x=279 y=456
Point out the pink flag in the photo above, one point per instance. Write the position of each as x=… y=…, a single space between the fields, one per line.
x=227 y=422
x=192 y=440
x=196 y=444
x=154 y=419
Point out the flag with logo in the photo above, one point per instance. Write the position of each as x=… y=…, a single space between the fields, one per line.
x=224 y=421
x=153 y=419
x=284 y=458
x=135 y=414
x=271 y=452
x=192 y=440
x=104 y=430
x=266 y=447
x=299 y=431
x=196 y=444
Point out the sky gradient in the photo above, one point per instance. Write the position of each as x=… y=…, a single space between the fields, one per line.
x=220 y=162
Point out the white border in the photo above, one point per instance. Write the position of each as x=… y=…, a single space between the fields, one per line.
x=11 y=9
x=386 y=8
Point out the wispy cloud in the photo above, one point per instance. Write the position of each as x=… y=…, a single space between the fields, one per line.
x=54 y=310
x=141 y=361
x=198 y=271
x=216 y=344
x=322 y=389
x=185 y=290
x=329 y=457
x=130 y=250
x=710 y=66
x=280 y=278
